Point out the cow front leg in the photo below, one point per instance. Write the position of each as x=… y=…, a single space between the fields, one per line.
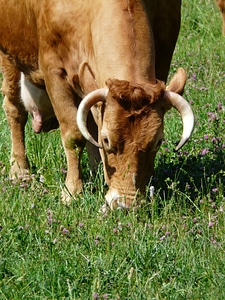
x=65 y=103
x=73 y=143
x=17 y=118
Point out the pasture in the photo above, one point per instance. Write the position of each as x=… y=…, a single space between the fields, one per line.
x=173 y=248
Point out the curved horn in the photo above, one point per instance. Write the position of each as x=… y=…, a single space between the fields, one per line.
x=186 y=113
x=83 y=110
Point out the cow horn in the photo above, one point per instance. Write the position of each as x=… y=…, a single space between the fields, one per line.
x=88 y=101
x=186 y=113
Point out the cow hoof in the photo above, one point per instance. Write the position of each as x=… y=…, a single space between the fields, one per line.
x=19 y=175
x=66 y=198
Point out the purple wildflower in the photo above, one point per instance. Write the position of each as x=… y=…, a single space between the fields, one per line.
x=95 y=296
x=65 y=231
x=64 y=171
x=45 y=191
x=205 y=151
x=213 y=241
x=211 y=224
x=219 y=106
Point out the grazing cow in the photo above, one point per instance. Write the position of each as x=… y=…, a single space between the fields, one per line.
x=55 y=53
x=221 y=4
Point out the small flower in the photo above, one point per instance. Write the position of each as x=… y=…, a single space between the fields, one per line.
x=211 y=224
x=213 y=205
x=206 y=137
x=64 y=171
x=45 y=191
x=194 y=76
x=213 y=241
x=95 y=296
x=219 y=106
x=81 y=224
x=114 y=230
x=221 y=209
x=151 y=191
x=162 y=238
x=205 y=151
x=42 y=179
x=65 y=231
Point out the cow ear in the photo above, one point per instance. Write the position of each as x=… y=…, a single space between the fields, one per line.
x=178 y=82
x=85 y=81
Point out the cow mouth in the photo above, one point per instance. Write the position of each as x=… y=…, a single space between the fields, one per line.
x=114 y=200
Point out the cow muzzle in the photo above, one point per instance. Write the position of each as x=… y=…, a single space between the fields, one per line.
x=114 y=200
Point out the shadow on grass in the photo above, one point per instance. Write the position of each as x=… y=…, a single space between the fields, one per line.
x=198 y=175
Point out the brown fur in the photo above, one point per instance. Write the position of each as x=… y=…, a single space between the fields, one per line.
x=70 y=48
x=221 y=5
x=135 y=98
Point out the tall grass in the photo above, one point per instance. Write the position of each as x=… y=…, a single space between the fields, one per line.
x=174 y=248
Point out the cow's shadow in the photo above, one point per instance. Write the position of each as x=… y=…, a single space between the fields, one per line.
x=193 y=175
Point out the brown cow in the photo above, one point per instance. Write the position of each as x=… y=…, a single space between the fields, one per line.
x=55 y=53
x=221 y=4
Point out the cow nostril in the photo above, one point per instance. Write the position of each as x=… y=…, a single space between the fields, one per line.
x=106 y=142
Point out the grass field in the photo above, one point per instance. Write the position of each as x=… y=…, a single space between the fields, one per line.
x=174 y=248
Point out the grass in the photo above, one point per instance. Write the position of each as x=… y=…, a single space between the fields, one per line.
x=174 y=248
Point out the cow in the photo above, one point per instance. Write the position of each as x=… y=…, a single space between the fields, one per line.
x=221 y=5
x=63 y=59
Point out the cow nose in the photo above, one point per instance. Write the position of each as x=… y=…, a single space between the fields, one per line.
x=115 y=201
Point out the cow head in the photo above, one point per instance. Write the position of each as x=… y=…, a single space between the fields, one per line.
x=130 y=133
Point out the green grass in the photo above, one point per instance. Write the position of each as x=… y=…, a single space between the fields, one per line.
x=174 y=248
